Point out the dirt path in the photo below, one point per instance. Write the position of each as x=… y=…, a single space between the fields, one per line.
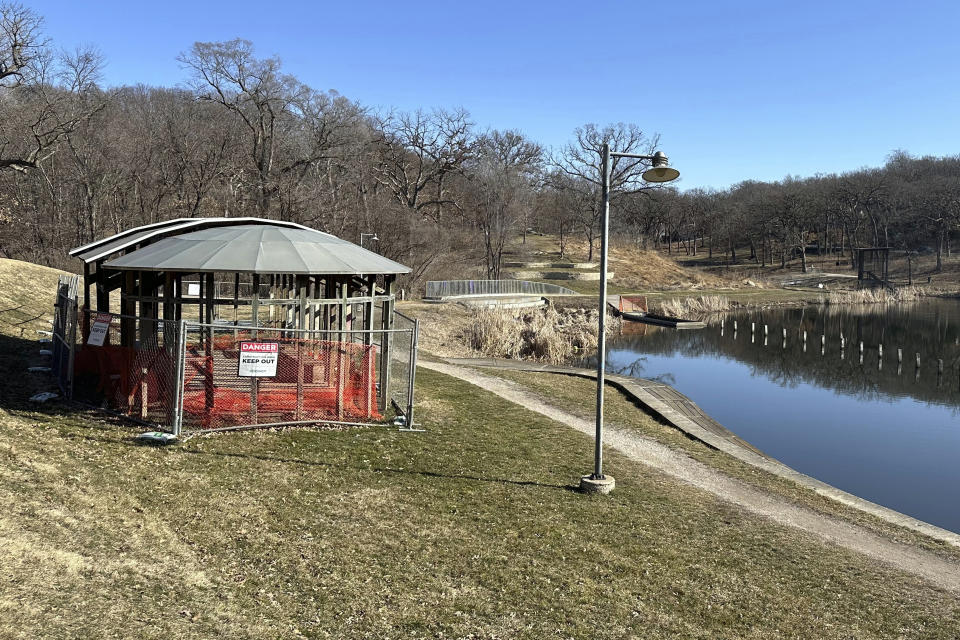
x=929 y=566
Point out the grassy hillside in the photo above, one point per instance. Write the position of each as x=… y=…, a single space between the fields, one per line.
x=26 y=296
x=471 y=529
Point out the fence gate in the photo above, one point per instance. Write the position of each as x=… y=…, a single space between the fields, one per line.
x=64 y=334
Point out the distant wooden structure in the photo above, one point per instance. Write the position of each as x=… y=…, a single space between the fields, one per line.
x=873 y=267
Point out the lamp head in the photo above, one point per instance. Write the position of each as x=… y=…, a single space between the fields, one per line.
x=660 y=171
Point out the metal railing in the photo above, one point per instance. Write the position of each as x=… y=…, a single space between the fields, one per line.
x=440 y=289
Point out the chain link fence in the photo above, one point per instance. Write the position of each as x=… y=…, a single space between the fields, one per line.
x=138 y=379
x=64 y=334
x=244 y=377
x=188 y=377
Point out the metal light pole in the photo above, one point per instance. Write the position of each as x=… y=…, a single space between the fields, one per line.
x=596 y=482
x=372 y=236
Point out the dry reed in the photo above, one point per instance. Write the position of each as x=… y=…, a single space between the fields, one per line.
x=687 y=308
x=875 y=296
x=545 y=335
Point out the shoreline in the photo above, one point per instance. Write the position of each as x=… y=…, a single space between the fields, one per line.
x=684 y=415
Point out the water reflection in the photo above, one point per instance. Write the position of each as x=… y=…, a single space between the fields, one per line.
x=871 y=422
x=854 y=343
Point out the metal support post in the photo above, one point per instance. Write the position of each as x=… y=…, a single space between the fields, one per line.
x=602 y=322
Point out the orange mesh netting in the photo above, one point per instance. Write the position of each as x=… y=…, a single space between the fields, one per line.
x=315 y=380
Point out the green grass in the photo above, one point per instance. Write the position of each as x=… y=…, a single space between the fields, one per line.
x=579 y=397
x=471 y=529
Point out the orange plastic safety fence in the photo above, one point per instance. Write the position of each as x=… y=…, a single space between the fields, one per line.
x=315 y=380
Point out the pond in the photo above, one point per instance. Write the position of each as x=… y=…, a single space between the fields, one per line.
x=888 y=432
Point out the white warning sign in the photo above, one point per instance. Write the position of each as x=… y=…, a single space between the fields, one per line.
x=258 y=359
x=98 y=332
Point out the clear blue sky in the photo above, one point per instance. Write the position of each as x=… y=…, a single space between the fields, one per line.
x=737 y=90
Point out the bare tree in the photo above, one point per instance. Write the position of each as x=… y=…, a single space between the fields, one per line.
x=290 y=128
x=44 y=95
x=506 y=166
x=581 y=160
x=419 y=152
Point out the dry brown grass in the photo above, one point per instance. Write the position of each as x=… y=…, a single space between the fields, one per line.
x=545 y=335
x=645 y=270
x=26 y=296
x=698 y=307
x=876 y=296
x=635 y=269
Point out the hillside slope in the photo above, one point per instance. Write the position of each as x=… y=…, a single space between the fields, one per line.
x=27 y=293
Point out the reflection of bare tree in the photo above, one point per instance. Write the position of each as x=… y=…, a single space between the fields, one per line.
x=665 y=378
x=634 y=369
x=928 y=328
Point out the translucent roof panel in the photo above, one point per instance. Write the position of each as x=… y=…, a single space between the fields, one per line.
x=257 y=248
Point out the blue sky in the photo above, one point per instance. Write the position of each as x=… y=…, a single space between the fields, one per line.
x=737 y=90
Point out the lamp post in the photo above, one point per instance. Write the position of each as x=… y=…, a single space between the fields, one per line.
x=596 y=482
x=372 y=236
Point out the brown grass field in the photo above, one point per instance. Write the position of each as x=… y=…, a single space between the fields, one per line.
x=469 y=530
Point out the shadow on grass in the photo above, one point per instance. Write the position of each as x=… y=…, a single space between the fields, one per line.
x=17 y=384
x=408 y=472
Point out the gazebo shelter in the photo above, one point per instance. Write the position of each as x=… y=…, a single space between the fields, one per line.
x=195 y=293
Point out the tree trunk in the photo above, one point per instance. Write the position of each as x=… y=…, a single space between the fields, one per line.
x=940 y=235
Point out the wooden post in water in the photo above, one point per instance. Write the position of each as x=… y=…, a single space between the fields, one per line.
x=899 y=355
x=918 y=360
x=734 y=326
x=765 y=329
x=753 y=326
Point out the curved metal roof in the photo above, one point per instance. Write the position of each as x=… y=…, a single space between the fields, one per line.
x=257 y=248
x=104 y=247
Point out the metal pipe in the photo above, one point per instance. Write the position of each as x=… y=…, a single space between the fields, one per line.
x=275 y=425
x=413 y=371
x=601 y=336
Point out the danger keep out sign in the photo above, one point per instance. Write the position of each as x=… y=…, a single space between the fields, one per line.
x=98 y=332
x=258 y=359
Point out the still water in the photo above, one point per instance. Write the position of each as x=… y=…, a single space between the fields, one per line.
x=886 y=432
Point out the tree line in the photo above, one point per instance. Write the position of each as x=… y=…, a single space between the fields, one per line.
x=909 y=204
x=242 y=137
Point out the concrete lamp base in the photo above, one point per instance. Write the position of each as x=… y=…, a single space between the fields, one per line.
x=604 y=485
